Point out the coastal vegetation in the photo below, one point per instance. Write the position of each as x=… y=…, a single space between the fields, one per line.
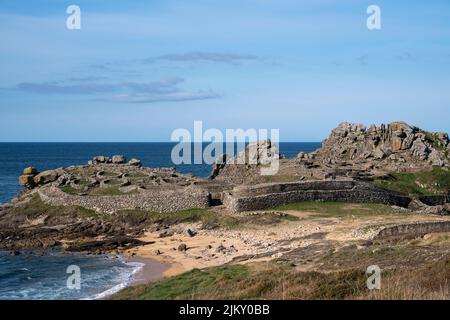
x=282 y=281
x=208 y=219
x=416 y=184
x=35 y=207
x=339 y=209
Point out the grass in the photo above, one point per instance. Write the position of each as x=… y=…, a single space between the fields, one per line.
x=83 y=171
x=109 y=174
x=113 y=182
x=70 y=190
x=435 y=140
x=35 y=208
x=82 y=182
x=339 y=209
x=110 y=191
x=209 y=220
x=270 y=280
x=434 y=182
x=189 y=285
x=136 y=175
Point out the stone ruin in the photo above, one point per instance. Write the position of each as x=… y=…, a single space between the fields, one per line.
x=339 y=171
x=111 y=184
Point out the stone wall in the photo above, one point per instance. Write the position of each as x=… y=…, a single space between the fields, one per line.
x=413 y=229
x=435 y=200
x=155 y=201
x=271 y=195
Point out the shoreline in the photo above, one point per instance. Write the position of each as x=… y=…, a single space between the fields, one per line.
x=147 y=270
x=152 y=270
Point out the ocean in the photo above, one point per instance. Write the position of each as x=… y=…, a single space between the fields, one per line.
x=43 y=275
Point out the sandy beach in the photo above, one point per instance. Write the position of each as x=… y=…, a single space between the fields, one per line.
x=210 y=248
x=152 y=270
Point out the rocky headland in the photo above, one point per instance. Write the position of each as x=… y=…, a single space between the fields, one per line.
x=366 y=187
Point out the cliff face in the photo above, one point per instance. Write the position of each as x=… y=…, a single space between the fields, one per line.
x=396 y=142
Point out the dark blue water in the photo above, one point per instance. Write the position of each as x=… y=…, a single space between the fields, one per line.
x=14 y=157
x=31 y=276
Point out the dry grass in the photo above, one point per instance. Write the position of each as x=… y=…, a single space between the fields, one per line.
x=272 y=280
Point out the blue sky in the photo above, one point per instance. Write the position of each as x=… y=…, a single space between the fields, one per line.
x=137 y=70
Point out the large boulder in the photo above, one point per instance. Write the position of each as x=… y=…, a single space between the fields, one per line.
x=256 y=153
x=30 y=171
x=27 y=181
x=436 y=159
x=399 y=132
x=118 y=159
x=420 y=150
x=48 y=176
x=100 y=159
x=218 y=166
x=252 y=158
x=134 y=162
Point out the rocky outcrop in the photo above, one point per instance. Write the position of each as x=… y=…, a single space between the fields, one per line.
x=118 y=159
x=218 y=166
x=100 y=159
x=350 y=151
x=48 y=176
x=27 y=179
x=254 y=156
x=134 y=162
x=32 y=178
x=396 y=143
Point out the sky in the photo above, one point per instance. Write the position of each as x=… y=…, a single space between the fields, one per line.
x=138 y=70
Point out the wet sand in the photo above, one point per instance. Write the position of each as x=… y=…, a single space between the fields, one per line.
x=152 y=271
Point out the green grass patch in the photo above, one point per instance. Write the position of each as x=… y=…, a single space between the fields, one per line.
x=109 y=174
x=188 y=285
x=113 y=182
x=434 y=182
x=136 y=175
x=209 y=220
x=82 y=182
x=110 y=191
x=339 y=209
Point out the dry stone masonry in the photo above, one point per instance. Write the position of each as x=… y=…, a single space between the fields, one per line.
x=341 y=170
x=248 y=198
